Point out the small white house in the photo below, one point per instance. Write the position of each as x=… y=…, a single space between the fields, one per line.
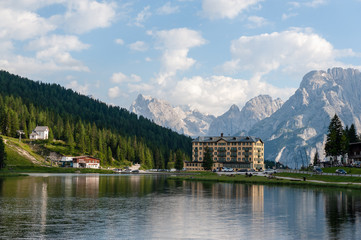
x=40 y=132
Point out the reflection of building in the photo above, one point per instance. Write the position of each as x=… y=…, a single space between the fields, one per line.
x=231 y=152
x=40 y=132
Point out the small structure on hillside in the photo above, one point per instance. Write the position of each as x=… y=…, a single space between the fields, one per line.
x=40 y=132
x=354 y=153
x=80 y=162
x=86 y=162
x=66 y=161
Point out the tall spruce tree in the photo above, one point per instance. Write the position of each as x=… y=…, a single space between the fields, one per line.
x=334 y=142
x=207 y=159
x=2 y=153
x=316 y=159
x=352 y=134
x=179 y=160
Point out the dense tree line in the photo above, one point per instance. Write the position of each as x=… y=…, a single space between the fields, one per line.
x=339 y=138
x=2 y=154
x=88 y=126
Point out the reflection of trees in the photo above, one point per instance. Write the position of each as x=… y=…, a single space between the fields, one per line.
x=341 y=208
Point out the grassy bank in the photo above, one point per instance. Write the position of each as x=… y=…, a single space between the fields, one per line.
x=326 y=178
x=9 y=174
x=261 y=180
x=41 y=169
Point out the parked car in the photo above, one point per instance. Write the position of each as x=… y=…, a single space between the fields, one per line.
x=341 y=171
x=318 y=170
x=270 y=171
x=227 y=169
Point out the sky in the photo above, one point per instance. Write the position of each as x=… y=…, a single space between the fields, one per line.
x=206 y=54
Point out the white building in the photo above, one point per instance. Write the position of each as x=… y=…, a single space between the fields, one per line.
x=40 y=132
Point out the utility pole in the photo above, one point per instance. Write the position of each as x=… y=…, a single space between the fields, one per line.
x=20 y=132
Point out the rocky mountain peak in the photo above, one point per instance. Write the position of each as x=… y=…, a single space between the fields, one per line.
x=236 y=121
x=301 y=124
x=180 y=119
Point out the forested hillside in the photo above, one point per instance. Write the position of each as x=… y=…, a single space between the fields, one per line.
x=86 y=125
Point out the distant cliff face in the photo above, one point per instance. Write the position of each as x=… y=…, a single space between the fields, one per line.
x=181 y=120
x=298 y=129
x=236 y=121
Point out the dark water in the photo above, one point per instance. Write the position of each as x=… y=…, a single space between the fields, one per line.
x=48 y=206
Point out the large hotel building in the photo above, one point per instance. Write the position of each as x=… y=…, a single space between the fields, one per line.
x=237 y=152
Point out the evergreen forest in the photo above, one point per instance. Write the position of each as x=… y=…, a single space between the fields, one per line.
x=86 y=126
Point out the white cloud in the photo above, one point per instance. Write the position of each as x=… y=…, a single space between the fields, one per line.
x=58 y=43
x=175 y=45
x=29 y=4
x=56 y=49
x=287 y=16
x=82 y=89
x=52 y=54
x=85 y=15
x=215 y=9
x=167 y=9
x=256 y=22
x=22 y=25
x=313 y=3
x=119 y=41
x=122 y=78
x=114 y=92
x=143 y=16
x=216 y=93
x=292 y=51
x=138 y=46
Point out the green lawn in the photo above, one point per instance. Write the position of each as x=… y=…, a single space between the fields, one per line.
x=40 y=169
x=347 y=169
x=13 y=158
x=319 y=177
x=272 y=181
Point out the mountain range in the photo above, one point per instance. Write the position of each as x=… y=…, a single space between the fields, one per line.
x=298 y=129
x=180 y=119
x=292 y=131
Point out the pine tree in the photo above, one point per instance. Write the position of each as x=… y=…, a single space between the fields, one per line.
x=352 y=134
x=207 y=159
x=316 y=159
x=179 y=160
x=80 y=136
x=2 y=154
x=333 y=145
x=109 y=156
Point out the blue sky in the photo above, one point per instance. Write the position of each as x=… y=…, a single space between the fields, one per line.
x=208 y=54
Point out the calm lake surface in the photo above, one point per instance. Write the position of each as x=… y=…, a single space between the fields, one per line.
x=70 y=206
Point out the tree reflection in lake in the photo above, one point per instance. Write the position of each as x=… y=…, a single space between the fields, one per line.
x=153 y=207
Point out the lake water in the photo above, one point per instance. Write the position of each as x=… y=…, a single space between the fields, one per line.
x=70 y=206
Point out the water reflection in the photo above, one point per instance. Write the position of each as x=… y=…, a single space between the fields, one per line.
x=144 y=207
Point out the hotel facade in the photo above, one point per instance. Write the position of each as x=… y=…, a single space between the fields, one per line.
x=237 y=152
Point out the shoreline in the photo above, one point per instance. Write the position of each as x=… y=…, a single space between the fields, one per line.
x=270 y=180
